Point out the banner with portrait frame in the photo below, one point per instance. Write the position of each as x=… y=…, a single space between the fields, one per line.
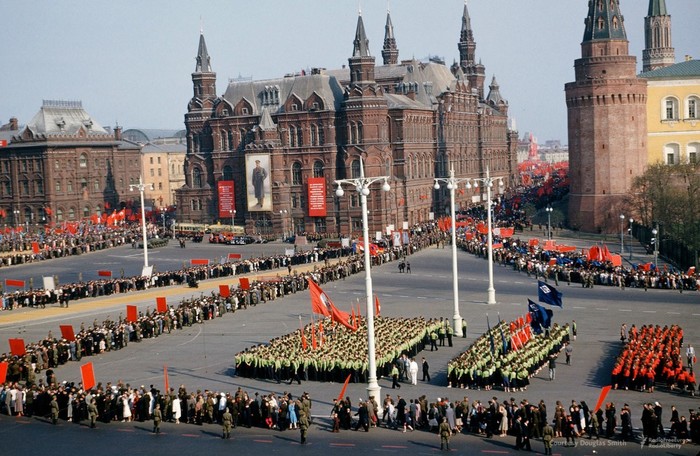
x=258 y=187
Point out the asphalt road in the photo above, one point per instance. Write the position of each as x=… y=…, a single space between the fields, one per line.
x=201 y=356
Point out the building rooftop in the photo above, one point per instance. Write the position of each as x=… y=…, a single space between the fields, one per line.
x=687 y=69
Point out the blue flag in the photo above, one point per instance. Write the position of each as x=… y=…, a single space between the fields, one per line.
x=548 y=294
x=541 y=318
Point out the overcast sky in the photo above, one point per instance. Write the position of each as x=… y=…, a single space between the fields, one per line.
x=131 y=61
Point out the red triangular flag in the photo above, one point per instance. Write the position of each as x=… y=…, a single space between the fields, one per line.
x=161 y=304
x=3 y=372
x=313 y=337
x=601 y=398
x=377 y=307
x=345 y=386
x=88 y=375
x=304 y=344
x=132 y=313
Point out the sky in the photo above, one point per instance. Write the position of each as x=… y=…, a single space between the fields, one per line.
x=130 y=62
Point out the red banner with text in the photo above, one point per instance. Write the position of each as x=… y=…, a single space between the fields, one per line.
x=227 y=200
x=317 y=196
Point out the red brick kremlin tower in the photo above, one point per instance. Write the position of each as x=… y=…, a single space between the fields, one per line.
x=606 y=120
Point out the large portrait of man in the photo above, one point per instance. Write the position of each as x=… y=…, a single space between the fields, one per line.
x=258 y=182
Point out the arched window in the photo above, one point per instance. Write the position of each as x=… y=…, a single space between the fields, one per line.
x=296 y=173
x=83 y=183
x=98 y=211
x=228 y=173
x=86 y=211
x=321 y=136
x=671 y=154
x=318 y=168
x=670 y=109
x=59 y=214
x=196 y=177
x=355 y=169
x=39 y=187
x=83 y=161
x=71 y=214
x=693 y=152
x=692 y=108
x=96 y=185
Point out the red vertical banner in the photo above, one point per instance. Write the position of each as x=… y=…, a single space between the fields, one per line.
x=88 y=375
x=35 y=247
x=224 y=291
x=317 y=196
x=227 y=200
x=245 y=283
x=17 y=347
x=161 y=304
x=67 y=332
x=132 y=313
x=3 y=372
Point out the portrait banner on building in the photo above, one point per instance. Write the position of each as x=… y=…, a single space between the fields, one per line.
x=317 y=196
x=258 y=186
x=227 y=200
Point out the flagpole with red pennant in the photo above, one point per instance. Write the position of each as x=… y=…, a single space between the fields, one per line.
x=165 y=379
x=601 y=398
x=345 y=387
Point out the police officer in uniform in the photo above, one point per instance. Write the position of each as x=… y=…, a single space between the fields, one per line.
x=227 y=420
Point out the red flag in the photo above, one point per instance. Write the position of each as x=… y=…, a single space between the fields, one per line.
x=35 y=247
x=3 y=372
x=342 y=317
x=14 y=283
x=132 y=313
x=88 y=375
x=196 y=261
x=244 y=283
x=161 y=304
x=601 y=398
x=313 y=337
x=353 y=318
x=165 y=378
x=104 y=273
x=345 y=387
x=320 y=302
x=234 y=256
x=67 y=332
x=304 y=343
x=224 y=291
x=17 y=347
x=377 y=307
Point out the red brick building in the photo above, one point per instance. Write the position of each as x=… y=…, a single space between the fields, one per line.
x=63 y=166
x=606 y=122
x=405 y=119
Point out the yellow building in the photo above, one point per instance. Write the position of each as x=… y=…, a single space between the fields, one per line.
x=673 y=113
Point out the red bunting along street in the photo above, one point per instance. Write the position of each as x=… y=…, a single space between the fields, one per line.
x=326 y=351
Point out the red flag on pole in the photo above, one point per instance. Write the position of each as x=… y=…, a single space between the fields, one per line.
x=3 y=372
x=88 y=375
x=196 y=261
x=345 y=386
x=377 y=306
x=224 y=291
x=14 y=283
x=313 y=336
x=161 y=304
x=601 y=398
x=244 y=283
x=67 y=332
x=17 y=347
x=132 y=313
x=165 y=375
x=320 y=302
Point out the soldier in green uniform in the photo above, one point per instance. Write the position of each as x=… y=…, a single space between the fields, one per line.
x=547 y=437
x=445 y=434
x=303 y=423
x=226 y=419
x=54 y=410
x=157 y=418
x=92 y=413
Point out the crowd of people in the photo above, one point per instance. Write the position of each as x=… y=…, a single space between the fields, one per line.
x=496 y=358
x=339 y=352
x=651 y=356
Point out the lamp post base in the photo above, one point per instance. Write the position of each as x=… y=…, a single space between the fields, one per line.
x=457 y=322
x=491 y=296
x=374 y=390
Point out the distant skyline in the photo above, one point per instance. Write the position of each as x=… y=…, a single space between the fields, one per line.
x=131 y=62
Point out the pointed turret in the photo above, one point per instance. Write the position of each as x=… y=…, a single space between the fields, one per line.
x=494 y=97
x=203 y=78
x=361 y=62
x=473 y=71
x=604 y=21
x=658 y=50
x=390 y=52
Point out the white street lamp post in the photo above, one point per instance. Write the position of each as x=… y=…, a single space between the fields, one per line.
x=362 y=185
x=452 y=183
x=549 y=221
x=622 y=234
x=488 y=182
x=233 y=215
x=631 y=237
x=283 y=217
x=656 y=246
x=141 y=187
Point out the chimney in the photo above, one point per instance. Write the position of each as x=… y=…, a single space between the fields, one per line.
x=688 y=58
x=118 y=133
x=14 y=124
